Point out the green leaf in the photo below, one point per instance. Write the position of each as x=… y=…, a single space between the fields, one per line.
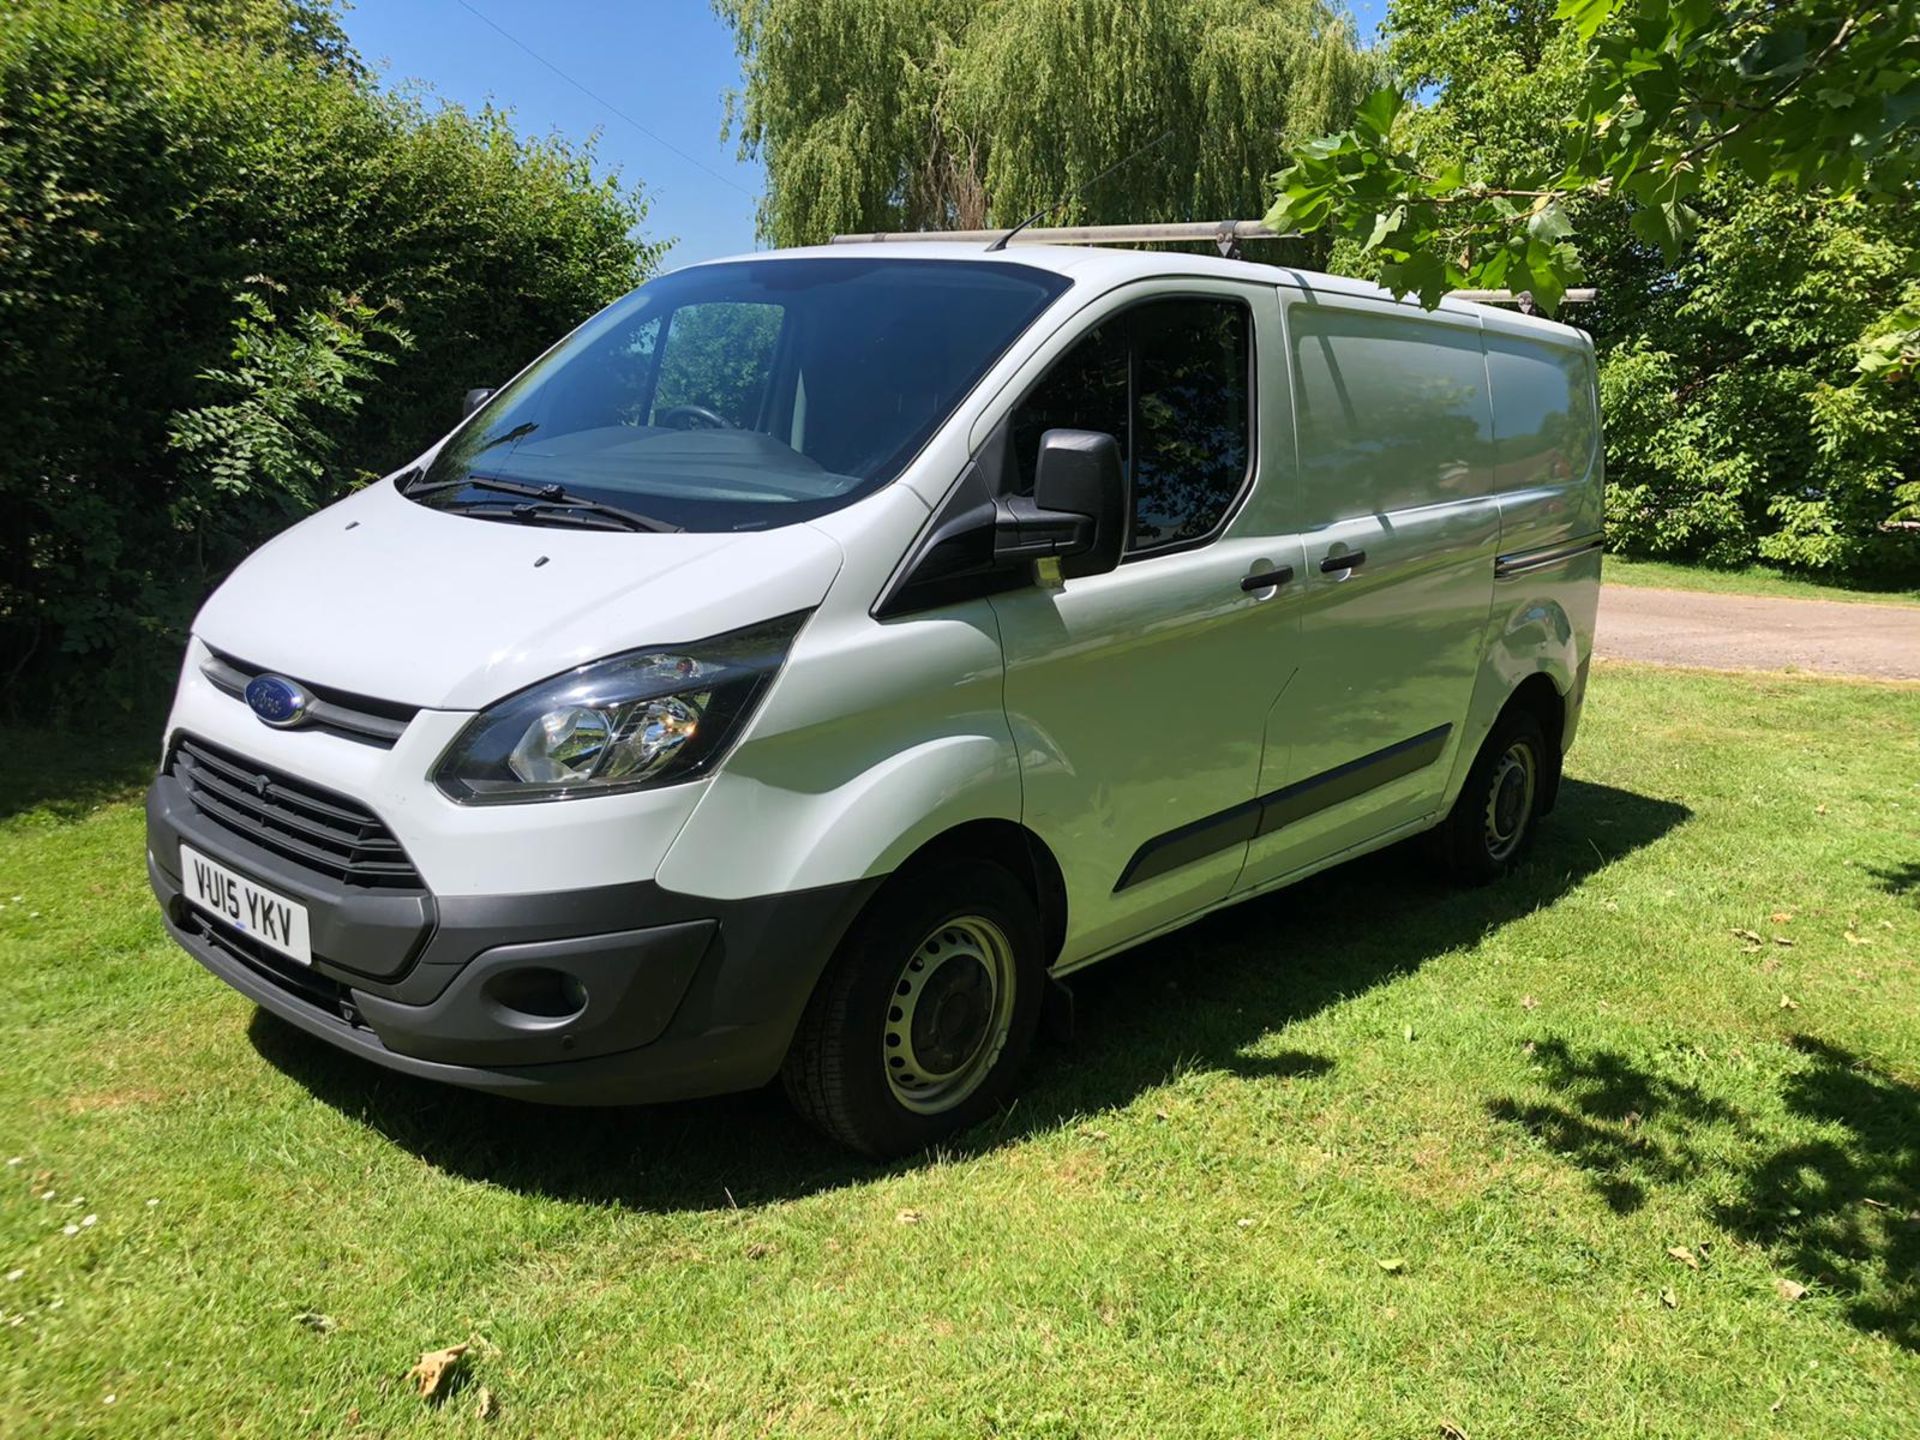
x=1549 y=222
x=1682 y=220
x=1491 y=274
x=1775 y=55
x=1657 y=88
x=1649 y=223
x=1668 y=225
x=1385 y=225
x=1693 y=16
x=1423 y=273
x=1549 y=280
x=1377 y=111
x=1451 y=177
x=1587 y=15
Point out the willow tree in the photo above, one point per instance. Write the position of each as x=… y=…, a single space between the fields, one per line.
x=930 y=114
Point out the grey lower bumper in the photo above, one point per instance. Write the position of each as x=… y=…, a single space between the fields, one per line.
x=612 y=995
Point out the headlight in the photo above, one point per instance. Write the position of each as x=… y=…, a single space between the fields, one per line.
x=646 y=718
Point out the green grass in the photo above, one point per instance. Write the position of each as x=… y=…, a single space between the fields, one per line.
x=1746 y=580
x=1358 y=1159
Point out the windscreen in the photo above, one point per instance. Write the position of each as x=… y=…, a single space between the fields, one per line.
x=745 y=395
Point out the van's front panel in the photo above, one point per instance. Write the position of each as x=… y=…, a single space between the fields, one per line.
x=513 y=947
x=494 y=689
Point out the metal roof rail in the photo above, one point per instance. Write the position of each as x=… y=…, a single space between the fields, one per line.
x=1523 y=300
x=1226 y=235
x=1223 y=233
x=1579 y=296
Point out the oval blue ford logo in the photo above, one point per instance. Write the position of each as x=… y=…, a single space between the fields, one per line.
x=277 y=701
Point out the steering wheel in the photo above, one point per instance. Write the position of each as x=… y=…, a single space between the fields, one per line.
x=709 y=419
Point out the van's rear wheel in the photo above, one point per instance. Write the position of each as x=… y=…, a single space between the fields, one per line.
x=924 y=1016
x=1492 y=823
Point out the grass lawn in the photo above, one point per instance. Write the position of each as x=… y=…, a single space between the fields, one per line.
x=1747 y=580
x=1364 y=1158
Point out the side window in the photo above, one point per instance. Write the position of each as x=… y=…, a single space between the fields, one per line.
x=1192 y=420
x=1169 y=379
x=716 y=359
x=1543 y=422
x=1391 y=412
x=1085 y=390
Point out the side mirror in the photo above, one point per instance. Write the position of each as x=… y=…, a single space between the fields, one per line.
x=474 y=400
x=1080 y=507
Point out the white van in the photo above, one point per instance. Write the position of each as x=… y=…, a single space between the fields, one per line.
x=805 y=662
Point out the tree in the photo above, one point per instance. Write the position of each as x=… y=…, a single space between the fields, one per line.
x=1817 y=95
x=160 y=157
x=298 y=31
x=1737 y=426
x=936 y=114
x=1737 y=430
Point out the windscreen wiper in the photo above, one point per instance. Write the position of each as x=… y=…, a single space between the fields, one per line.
x=550 y=498
x=536 y=512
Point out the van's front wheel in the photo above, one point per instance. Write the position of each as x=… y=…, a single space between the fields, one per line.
x=926 y=1012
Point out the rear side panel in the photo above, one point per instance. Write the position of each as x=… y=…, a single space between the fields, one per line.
x=1548 y=476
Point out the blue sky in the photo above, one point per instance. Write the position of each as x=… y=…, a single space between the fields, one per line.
x=657 y=71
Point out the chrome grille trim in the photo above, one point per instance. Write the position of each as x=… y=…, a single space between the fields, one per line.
x=358 y=717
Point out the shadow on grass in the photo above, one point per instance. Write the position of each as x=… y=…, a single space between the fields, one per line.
x=1838 y=1204
x=67 y=774
x=1902 y=878
x=1612 y=1118
x=1200 y=999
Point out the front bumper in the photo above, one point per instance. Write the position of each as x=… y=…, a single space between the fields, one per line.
x=610 y=995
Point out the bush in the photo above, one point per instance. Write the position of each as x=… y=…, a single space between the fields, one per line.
x=150 y=172
x=1739 y=427
x=273 y=436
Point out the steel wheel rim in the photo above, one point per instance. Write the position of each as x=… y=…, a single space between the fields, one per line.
x=1510 y=799
x=949 y=1015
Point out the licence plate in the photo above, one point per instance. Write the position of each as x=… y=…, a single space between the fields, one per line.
x=275 y=921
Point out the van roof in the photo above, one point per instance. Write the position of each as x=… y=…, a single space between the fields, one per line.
x=1107 y=266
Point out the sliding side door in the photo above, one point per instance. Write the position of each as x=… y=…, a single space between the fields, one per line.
x=1399 y=528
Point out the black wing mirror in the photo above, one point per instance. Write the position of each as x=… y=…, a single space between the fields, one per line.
x=1079 y=509
x=474 y=400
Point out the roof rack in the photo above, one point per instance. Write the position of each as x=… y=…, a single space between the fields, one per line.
x=1223 y=233
x=1226 y=235
x=1581 y=295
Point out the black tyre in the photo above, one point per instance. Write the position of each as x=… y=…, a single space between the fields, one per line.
x=1492 y=823
x=926 y=1012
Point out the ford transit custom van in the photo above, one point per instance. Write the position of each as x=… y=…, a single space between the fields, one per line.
x=801 y=666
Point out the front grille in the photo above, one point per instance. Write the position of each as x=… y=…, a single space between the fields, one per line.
x=310 y=826
x=321 y=991
x=338 y=712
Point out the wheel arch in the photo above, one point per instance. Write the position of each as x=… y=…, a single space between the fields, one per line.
x=1535 y=657
x=1538 y=695
x=1019 y=850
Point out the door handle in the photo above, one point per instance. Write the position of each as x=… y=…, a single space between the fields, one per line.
x=1267 y=579
x=1352 y=560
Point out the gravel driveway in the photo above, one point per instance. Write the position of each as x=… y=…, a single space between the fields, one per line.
x=1750 y=632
